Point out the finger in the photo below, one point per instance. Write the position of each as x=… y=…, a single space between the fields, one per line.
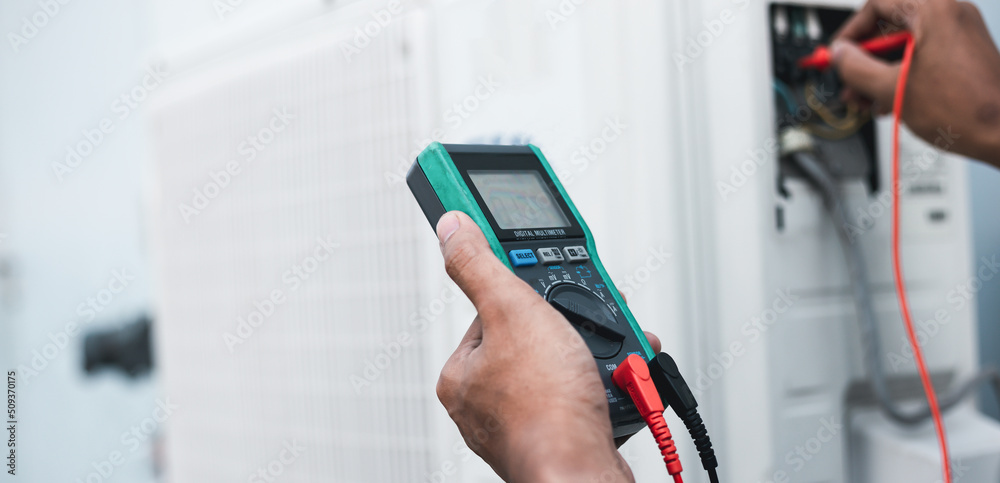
x=654 y=341
x=882 y=109
x=473 y=265
x=848 y=95
x=860 y=26
x=865 y=74
x=454 y=367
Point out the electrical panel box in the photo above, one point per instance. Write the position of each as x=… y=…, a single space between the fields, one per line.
x=844 y=132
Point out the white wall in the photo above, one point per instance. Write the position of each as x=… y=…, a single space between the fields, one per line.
x=66 y=237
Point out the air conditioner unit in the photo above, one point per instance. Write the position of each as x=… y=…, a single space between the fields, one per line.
x=302 y=297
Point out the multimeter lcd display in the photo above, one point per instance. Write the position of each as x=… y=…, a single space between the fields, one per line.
x=519 y=199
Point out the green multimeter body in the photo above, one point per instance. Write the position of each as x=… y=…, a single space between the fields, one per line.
x=533 y=227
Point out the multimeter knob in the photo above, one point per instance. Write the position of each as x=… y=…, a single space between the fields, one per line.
x=590 y=316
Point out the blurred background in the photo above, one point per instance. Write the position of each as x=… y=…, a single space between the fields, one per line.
x=212 y=270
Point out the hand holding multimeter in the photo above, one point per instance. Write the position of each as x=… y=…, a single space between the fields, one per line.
x=522 y=402
x=522 y=385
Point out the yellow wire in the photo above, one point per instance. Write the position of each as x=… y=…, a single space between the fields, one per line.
x=840 y=127
x=839 y=123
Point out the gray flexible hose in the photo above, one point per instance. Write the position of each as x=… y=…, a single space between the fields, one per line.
x=816 y=171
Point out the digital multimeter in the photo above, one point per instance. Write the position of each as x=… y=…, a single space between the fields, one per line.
x=533 y=227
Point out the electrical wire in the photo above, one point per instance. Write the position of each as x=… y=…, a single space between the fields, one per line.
x=817 y=172
x=851 y=121
x=786 y=94
x=928 y=386
x=676 y=394
x=839 y=128
x=904 y=305
x=633 y=377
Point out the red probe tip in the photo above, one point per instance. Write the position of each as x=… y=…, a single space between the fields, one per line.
x=819 y=59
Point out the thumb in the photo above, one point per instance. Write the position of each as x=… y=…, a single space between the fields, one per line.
x=865 y=74
x=471 y=263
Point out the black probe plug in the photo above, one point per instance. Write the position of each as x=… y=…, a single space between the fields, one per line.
x=676 y=394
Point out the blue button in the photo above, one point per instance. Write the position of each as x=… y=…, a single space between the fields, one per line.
x=522 y=258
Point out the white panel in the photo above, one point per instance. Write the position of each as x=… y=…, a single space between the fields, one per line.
x=342 y=364
x=800 y=367
x=63 y=237
x=886 y=452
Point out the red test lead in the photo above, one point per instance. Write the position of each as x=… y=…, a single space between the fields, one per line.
x=821 y=59
x=897 y=268
x=632 y=375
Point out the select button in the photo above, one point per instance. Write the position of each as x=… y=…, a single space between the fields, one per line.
x=522 y=258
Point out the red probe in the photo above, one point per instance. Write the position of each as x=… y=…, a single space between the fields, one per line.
x=820 y=59
x=632 y=375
